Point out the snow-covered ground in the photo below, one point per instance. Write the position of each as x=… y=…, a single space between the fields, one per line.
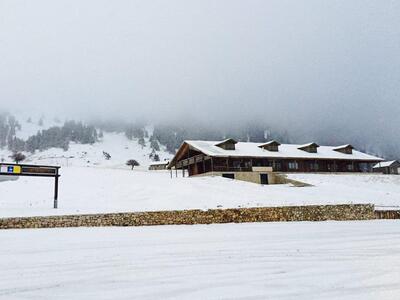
x=322 y=260
x=101 y=189
x=381 y=190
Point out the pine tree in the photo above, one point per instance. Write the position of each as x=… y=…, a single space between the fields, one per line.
x=154 y=145
x=142 y=142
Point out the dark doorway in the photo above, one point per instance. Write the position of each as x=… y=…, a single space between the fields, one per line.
x=264 y=178
x=230 y=176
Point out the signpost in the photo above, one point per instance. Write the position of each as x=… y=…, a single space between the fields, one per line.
x=33 y=170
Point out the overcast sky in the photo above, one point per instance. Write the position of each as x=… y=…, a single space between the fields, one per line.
x=309 y=65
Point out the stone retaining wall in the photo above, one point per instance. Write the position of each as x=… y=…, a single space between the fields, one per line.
x=237 y=215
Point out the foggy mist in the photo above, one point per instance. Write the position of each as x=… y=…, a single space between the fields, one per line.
x=323 y=70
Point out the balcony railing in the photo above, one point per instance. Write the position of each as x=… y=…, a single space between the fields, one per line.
x=231 y=169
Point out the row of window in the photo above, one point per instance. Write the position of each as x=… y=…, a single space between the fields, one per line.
x=292 y=165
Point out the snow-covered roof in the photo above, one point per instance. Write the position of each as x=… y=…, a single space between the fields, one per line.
x=159 y=163
x=385 y=164
x=308 y=145
x=245 y=149
x=225 y=141
x=343 y=146
x=273 y=142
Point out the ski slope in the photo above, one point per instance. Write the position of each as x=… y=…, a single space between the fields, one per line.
x=322 y=260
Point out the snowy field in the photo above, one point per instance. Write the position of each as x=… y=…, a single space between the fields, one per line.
x=322 y=260
x=92 y=190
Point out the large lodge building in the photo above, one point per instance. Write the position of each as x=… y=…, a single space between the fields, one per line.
x=233 y=159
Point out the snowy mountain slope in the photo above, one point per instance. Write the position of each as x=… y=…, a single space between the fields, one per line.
x=116 y=144
x=35 y=124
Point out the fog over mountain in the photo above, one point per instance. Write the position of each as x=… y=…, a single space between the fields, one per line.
x=327 y=71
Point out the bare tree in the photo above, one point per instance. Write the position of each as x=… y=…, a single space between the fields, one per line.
x=106 y=155
x=18 y=157
x=133 y=163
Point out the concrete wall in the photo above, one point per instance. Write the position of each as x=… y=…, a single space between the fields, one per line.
x=253 y=177
x=237 y=215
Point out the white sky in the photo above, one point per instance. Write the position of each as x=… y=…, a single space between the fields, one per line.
x=336 y=63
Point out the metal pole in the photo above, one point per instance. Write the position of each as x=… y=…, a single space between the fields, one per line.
x=56 y=191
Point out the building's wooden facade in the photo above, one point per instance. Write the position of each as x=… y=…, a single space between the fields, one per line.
x=388 y=167
x=159 y=166
x=196 y=160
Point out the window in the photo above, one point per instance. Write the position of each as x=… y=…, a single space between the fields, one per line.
x=277 y=166
x=236 y=164
x=293 y=165
x=248 y=164
x=228 y=175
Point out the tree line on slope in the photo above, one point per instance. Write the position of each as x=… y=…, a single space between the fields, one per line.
x=61 y=136
x=53 y=137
